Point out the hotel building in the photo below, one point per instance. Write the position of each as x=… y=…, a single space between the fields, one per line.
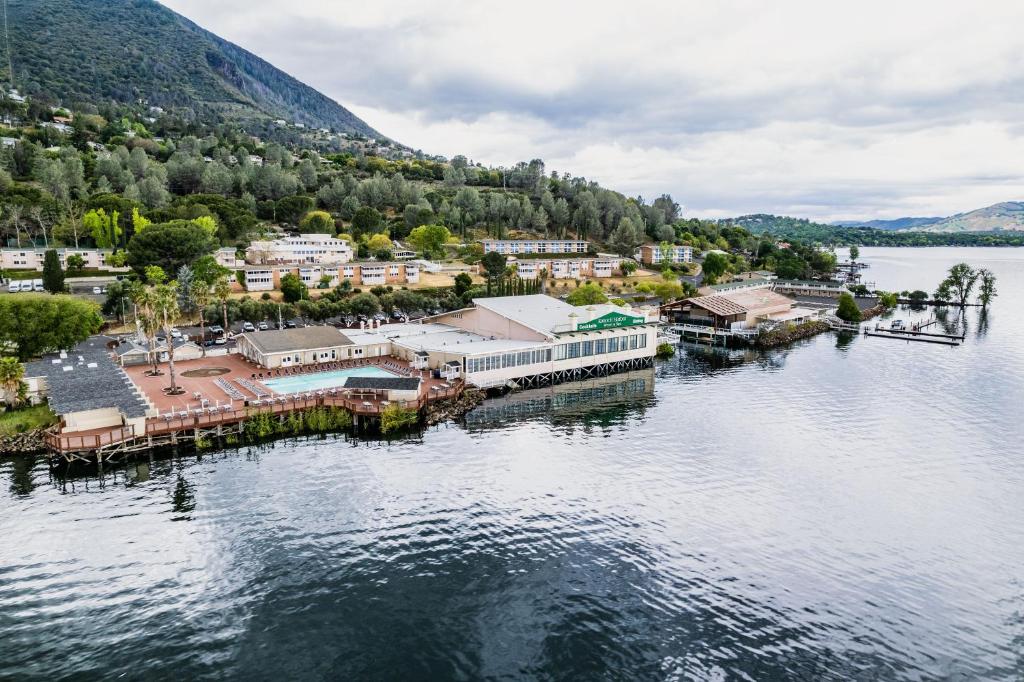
x=569 y=268
x=652 y=254
x=511 y=247
x=315 y=249
x=268 y=277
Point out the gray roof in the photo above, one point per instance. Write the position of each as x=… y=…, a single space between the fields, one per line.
x=538 y=312
x=304 y=338
x=384 y=383
x=85 y=387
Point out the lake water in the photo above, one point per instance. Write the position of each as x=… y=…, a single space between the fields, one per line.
x=847 y=508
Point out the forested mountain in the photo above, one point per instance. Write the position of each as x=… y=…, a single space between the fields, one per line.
x=801 y=229
x=75 y=52
x=895 y=224
x=1005 y=216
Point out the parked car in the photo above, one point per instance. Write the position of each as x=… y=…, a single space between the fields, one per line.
x=97 y=290
x=217 y=329
x=349 y=320
x=290 y=324
x=397 y=315
x=220 y=340
x=37 y=285
x=264 y=326
x=13 y=286
x=26 y=285
x=209 y=342
x=248 y=327
x=362 y=318
x=175 y=332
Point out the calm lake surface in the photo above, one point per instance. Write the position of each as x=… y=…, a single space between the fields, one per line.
x=847 y=508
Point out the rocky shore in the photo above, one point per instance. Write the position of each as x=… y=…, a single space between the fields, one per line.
x=22 y=443
x=790 y=333
x=452 y=408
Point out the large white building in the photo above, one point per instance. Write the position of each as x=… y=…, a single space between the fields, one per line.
x=378 y=273
x=569 y=268
x=511 y=247
x=313 y=249
x=525 y=340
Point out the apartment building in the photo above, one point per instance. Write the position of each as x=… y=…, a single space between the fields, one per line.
x=654 y=254
x=316 y=249
x=511 y=247
x=268 y=277
x=569 y=268
x=32 y=258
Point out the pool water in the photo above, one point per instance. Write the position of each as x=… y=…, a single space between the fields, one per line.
x=320 y=380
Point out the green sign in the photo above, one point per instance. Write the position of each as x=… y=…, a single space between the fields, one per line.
x=610 y=321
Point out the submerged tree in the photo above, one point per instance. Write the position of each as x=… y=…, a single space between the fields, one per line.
x=848 y=310
x=987 y=289
x=958 y=285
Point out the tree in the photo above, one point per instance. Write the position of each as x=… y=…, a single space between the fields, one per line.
x=587 y=294
x=37 y=324
x=379 y=242
x=293 y=288
x=960 y=282
x=11 y=374
x=627 y=236
x=430 y=239
x=628 y=267
x=366 y=219
x=165 y=302
x=222 y=291
x=854 y=252
x=463 y=283
x=888 y=299
x=364 y=304
x=848 y=310
x=53 y=276
x=317 y=221
x=493 y=264
x=987 y=290
x=76 y=263
x=170 y=245
x=715 y=265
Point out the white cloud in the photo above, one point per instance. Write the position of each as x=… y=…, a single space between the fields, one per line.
x=827 y=110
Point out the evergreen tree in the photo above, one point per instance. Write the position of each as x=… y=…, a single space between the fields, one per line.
x=53 y=276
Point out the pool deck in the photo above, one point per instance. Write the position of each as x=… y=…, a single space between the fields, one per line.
x=205 y=405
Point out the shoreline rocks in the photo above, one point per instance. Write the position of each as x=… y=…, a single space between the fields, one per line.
x=791 y=333
x=452 y=408
x=22 y=443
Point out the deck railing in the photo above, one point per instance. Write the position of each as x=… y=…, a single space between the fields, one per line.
x=73 y=442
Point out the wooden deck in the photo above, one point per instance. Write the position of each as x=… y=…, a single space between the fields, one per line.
x=205 y=406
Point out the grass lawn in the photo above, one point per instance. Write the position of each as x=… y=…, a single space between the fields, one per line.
x=26 y=419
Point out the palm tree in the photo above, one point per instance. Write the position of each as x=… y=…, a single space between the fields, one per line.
x=200 y=299
x=222 y=290
x=143 y=299
x=11 y=374
x=167 y=312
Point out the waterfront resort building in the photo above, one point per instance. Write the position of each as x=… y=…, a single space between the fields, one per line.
x=655 y=254
x=512 y=247
x=315 y=249
x=739 y=310
x=32 y=258
x=569 y=268
x=268 y=277
x=228 y=257
x=527 y=340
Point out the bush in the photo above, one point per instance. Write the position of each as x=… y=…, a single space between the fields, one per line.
x=395 y=418
x=665 y=350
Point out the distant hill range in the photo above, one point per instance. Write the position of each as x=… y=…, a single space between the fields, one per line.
x=90 y=51
x=1007 y=216
x=896 y=224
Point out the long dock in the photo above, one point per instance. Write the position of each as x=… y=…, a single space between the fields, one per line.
x=916 y=332
x=930 y=338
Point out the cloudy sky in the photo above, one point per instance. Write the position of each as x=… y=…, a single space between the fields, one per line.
x=827 y=110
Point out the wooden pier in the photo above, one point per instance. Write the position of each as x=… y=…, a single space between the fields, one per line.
x=916 y=332
x=908 y=338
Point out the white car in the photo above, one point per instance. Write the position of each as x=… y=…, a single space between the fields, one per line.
x=176 y=333
x=264 y=326
x=13 y=287
x=248 y=327
x=26 y=285
x=97 y=290
x=37 y=285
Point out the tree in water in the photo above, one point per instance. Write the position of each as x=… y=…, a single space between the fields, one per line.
x=987 y=289
x=854 y=252
x=959 y=284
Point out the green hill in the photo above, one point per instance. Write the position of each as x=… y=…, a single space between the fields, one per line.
x=1007 y=216
x=88 y=51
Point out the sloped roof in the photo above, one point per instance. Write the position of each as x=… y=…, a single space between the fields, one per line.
x=304 y=338
x=756 y=299
x=719 y=305
x=384 y=383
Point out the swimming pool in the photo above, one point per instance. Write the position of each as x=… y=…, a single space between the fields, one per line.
x=320 y=380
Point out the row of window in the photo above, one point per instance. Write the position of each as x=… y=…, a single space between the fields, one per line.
x=584 y=349
x=564 y=351
x=504 y=360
